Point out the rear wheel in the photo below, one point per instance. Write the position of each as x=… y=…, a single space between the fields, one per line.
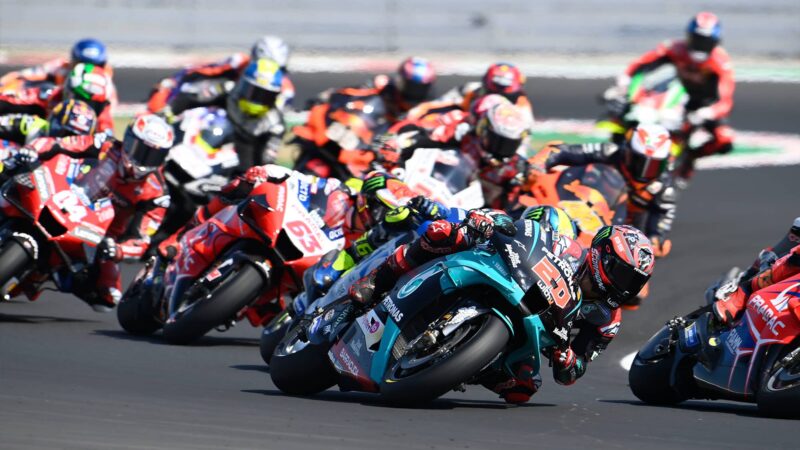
x=780 y=389
x=14 y=259
x=299 y=367
x=136 y=312
x=425 y=373
x=238 y=290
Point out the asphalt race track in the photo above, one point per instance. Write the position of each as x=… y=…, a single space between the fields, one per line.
x=70 y=378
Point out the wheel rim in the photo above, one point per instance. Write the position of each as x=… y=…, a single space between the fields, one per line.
x=417 y=359
x=785 y=378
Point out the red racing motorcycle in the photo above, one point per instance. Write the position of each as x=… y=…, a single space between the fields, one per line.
x=241 y=263
x=756 y=361
x=53 y=219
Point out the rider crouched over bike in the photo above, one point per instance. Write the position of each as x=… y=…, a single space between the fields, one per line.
x=705 y=70
x=766 y=271
x=615 y=268
x=366 y=212
x=643 y=161
x=137 y=190
x=254 y=104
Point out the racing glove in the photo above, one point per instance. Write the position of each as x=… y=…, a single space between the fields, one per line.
x=700 y=116
x=728 y=304
x=567 y=367
x=108 y=250
x=425 y=208
x=22 y=157
x=482 y=223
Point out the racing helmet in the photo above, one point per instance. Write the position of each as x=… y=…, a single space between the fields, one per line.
x=484 y=103
x=504 y=79
x=271 y=47
x=257 y=90
x=703 y=35
x=72 y=118
x=553 y=218
x=646 y=152
x=89 y=83
x=145 y=145
x=89 y=51
x=502 y=130
x=415 y=77
x=620 y=262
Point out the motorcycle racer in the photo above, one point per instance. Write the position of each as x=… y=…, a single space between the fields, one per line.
x=231 y=68
x=705 y=70
x=493 y=136
x=410 y=86
x=366 y=212
x=642 y=160
x=56 y=71
x=253 y=104
x=137 y=191
x=615 y=268
x=86 y=82
x=500 y=78
x=68 y=118
x=773 y=265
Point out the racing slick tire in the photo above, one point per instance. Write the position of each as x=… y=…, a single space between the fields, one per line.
x=136 y=312
x=650 y=381
x=238 y=290
x=298 y=367
x=486 y=338
x=13 y=260
x=779 y=394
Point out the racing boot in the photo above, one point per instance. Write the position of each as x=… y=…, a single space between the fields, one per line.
x=375 y=284
x=514 y=390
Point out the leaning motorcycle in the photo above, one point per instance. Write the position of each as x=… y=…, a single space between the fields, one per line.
x=654 y=97
x=440 y=327
x=756 y=361
x=53 y=219
x=202 y=161
x=239 y=264
x=310 y=299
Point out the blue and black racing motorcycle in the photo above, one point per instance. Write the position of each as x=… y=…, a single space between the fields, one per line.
x=443 y=325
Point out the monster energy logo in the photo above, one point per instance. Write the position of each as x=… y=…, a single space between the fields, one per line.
x=535 y=214
x=602 y=234
x=375 y=183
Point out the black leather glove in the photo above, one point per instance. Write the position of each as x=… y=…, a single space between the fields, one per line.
x=426 y=208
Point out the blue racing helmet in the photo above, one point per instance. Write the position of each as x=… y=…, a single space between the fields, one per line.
x=90 y=51
x=703 y=33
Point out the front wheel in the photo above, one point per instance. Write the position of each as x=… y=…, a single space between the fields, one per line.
x=272 y=334
x=298 y=367
x=14 y=259
x=424 y=374
x=136 y=312
x=238 y=290
x=780 y=390
x=650 y=381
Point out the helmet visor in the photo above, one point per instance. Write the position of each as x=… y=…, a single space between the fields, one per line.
x=644 y=168
x=626 y=280
x=700 y=43
x=414 y=91
x=256 y=96
x=142 y=155
x=500 y=146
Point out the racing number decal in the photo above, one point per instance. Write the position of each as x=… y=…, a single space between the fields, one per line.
x=303 y=234
x=545 y=270
x=68 y=202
